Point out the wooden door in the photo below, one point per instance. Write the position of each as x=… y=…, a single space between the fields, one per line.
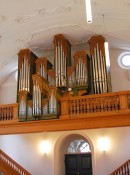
x=78 y=164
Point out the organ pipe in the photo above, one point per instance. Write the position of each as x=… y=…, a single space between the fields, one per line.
x=80 y=63
x=100 y=73
x=61 y=52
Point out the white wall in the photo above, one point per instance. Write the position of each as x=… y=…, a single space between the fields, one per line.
x=24 y=149
x=119 y=76
x=8 y=90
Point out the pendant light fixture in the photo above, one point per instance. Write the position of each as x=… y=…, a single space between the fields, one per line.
x=88 y=11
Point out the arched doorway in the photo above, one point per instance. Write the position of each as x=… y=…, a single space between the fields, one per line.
x=78 y=159
x=62 y=146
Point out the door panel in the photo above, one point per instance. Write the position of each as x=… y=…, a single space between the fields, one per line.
x=71 y=164
x=78 y=164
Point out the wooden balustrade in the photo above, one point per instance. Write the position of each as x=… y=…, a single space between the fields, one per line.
x=123 y=169
x=77 y=112
x=93 y=104
x=9 y=112
x=9 y=166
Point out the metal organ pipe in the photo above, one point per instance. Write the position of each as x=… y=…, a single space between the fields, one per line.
x=102 y=73
x=56 y=66
x=105 y=74
x=34 y=99
x=28 y=77
x=94 y=75
x=39 y=101
x=99 y=70
x=61 y=66
x=19 y=79
x=22 y=77
x=52 y=104
x=96 y=71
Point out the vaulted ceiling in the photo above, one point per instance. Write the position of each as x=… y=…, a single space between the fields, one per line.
x=33 y=24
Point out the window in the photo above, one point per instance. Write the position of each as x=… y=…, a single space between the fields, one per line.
x=78 y=146
x=124 y=60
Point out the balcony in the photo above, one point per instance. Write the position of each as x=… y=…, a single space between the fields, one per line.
x=80 y=112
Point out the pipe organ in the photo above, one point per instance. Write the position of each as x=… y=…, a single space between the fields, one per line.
x=40 y=86
x=26 y=68
x=62 y=59
x=80 y=63
x=101 y=83
x=78 y=78
x=51 y=77
x=37 y=95
x=22 y=99
x=54 y=95
x=71 y=77
x=42 y=66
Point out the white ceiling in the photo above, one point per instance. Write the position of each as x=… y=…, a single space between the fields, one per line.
x=33 y=24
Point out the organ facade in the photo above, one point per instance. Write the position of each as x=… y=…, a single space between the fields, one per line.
x=41 y=84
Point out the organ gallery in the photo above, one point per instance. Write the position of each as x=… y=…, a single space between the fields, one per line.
x=41 y=85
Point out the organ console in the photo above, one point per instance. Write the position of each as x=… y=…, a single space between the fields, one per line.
x=40 y=86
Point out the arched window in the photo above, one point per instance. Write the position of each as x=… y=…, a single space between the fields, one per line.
x=78 y=146
x=124 y=60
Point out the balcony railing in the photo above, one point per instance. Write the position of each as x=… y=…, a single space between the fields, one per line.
x=9 y=112
x=123 y=169
x=81 y=106
x=9 y=166
x=87 y=106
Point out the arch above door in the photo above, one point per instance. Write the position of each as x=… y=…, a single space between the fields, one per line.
x=61 y=147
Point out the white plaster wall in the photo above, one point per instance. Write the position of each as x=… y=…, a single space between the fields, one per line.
x=8 y=90
x=119 y=76
x=24 y=149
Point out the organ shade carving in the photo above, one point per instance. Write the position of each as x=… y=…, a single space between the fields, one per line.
x=100 y=71
x=40 y=86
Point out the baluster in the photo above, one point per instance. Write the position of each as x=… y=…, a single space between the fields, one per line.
x=70 y=107
x=74 y=110
x=77 y=106
x=89 y=105
x=7 y=111
x=80 y=106
x=85 y=105
x=109 y=103
x=94 y=105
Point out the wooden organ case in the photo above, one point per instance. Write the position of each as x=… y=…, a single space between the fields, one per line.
x=62 y=59
x=79 y=74
x=40 y=87
x=37 y=96
x=100 y=70
x=26 y=68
